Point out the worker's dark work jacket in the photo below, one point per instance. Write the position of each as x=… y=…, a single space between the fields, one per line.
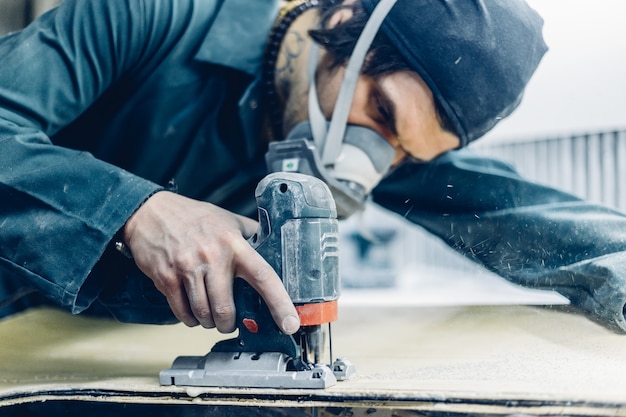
x=103 y=102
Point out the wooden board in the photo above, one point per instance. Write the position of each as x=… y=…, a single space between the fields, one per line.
x=488 y=360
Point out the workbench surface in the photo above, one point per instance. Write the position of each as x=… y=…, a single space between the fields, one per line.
x=470 y=360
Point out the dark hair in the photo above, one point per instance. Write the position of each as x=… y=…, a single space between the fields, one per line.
x=340 y=40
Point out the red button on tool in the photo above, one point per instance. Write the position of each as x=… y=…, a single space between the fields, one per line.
x=251 y=325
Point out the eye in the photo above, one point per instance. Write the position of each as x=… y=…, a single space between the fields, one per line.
x=382 y=110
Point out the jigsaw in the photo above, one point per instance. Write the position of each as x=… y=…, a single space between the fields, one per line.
x=298 y=236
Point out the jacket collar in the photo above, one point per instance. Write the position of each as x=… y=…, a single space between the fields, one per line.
x=238 y=34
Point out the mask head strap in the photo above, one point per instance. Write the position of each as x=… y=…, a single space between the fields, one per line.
x=328 y=138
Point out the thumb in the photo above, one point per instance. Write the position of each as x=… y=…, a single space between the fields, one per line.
x=247 y=226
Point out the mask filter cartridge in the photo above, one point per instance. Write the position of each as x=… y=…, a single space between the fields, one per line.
x=364 y=158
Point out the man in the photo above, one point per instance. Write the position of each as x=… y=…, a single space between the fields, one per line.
x=107 y=107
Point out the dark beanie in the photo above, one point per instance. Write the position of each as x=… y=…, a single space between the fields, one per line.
x=475 y=55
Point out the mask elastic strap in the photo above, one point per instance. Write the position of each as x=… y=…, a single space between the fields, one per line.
x=333 y=138
x=317 y=120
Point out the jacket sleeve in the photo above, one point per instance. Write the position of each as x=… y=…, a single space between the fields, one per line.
x=60 y=208
x=530 y=234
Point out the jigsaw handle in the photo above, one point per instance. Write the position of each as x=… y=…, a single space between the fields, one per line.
x=298 y=236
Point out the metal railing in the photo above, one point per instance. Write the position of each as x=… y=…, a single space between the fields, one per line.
x=591 y=166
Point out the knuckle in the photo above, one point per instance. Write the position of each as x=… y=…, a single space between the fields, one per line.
x=224 y=312
x=184 y=263
x=263 y=274
x=225 y=318
x=184 y=316
x=203 y=314
x=166 y=283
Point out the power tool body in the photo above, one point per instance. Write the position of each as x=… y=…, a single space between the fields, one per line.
x=298 y=237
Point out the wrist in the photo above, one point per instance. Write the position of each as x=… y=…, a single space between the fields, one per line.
x=119 y=243
x=123 y=236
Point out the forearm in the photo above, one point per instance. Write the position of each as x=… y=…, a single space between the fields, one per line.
x=60 y=209
x=530 y=234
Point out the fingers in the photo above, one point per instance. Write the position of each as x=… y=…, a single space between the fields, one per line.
x=212 y=301
x=206 y=295
x=262 y=277
x=219 y=288
x=192 y=251
x=198 y=300
x=176 y=295
x=206 y=298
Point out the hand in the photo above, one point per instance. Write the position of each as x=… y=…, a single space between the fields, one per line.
x=193 y=250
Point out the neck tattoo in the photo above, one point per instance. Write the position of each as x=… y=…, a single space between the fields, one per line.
x=290 y=12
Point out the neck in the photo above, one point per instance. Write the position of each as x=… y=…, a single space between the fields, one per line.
x=287 y=75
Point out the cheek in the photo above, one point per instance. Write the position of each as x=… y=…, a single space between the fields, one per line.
x=326 y=105
x=328 y=85
x=420 y=133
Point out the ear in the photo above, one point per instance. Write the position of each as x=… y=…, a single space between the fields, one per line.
x=341 y=15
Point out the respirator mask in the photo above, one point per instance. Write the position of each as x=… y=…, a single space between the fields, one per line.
x=350 y=159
